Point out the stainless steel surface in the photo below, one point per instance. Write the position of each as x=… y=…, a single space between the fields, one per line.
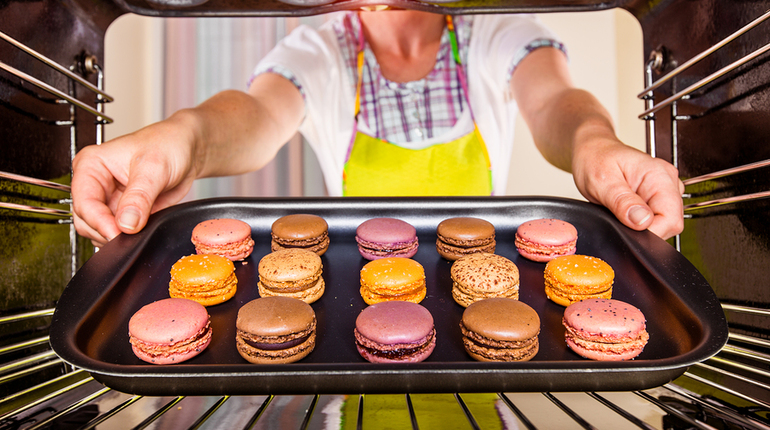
x=705 y=81
x=55 y=92
x=52 y=64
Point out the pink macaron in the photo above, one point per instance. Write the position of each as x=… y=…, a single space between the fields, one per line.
x=395 y=332
x=169 y=331
x=543 y=240
x=226 y=237
x=386 y=237
x=605 y=329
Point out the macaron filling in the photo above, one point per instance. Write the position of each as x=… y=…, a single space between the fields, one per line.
x=196 y=344
x=499 y=350
x=399 y=249
x=395 y=352
x=531 y=249
x=275 y=346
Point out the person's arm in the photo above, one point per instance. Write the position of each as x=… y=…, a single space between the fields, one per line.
x=574 y=132
x=117 y=185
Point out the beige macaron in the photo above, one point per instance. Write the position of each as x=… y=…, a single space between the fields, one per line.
x=481 y=276
x=293 y=272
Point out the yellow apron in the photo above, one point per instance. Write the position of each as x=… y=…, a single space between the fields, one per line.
x=376 y=167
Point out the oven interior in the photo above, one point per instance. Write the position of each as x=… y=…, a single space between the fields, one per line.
x=706 y=103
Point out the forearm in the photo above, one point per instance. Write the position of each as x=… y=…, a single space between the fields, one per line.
x=235 y=132
x=582 y=126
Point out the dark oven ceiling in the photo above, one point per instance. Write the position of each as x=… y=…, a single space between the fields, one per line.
x=315 y=7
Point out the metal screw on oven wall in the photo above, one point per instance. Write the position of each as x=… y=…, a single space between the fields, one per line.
x=90 y=63
x=656 y=60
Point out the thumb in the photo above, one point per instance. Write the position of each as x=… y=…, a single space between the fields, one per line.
x=628 y=207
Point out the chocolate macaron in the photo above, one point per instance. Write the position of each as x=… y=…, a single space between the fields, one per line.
x=306 y=231
x=208 y=279
x=169 y=331
x=275 y=330
x=481 y=276
x=543 y=240
x=395 y=332
x=386 y=237
x=292 y=272
x=393 y=278
x=226 y=237
x=573 y=278
x=605 y=329
x=461 y=236
x=500 y=329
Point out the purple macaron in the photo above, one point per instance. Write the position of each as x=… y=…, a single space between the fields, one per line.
x=395 y=332
x=386 y=237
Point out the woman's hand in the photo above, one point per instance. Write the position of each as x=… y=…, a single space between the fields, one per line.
x=574 y=132
x=643 y=192
x=117 y=185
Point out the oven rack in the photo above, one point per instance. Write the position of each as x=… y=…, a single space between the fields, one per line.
x=656 y=63
x=46 y=208
x=75 y=393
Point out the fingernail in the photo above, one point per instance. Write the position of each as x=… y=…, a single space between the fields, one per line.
x=129 y=218
x=638 y=215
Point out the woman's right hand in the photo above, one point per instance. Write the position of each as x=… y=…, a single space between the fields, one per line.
x=117 y=185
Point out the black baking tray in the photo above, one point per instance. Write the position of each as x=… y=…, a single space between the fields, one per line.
x=90 y=324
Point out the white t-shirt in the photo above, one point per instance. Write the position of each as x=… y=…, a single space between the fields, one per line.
x=497 y=44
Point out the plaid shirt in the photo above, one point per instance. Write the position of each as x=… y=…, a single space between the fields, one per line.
x=414 y=111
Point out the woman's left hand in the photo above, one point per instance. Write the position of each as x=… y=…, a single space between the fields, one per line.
x=643 y=192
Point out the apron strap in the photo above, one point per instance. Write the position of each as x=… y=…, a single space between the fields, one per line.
x=460 y=69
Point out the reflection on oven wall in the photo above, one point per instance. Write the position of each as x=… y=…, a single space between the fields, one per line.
x=157 y=66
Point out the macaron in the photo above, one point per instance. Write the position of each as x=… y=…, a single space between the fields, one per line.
x=275 y=330
x=291 y=272
x=482 y=276
x=500 y=329
x=605 y=329
x=300 y=231
x=461 y=236
x=393 y=278
x=169 y=331
x=543 y=240
x=208 y=279
x=227 y=237
x=386 y=237
x=395 y=332
x=573 y=278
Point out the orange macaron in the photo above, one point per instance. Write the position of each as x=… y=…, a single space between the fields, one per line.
x=208 y=279
x=393 y=278
x=572 y=278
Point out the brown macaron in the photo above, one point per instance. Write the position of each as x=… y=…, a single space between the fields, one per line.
x=300 y=231
x=500 y=329
x=461 y=236
x=572 y=278
x=482 y=276
x=275 y=330
x=293 y=272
